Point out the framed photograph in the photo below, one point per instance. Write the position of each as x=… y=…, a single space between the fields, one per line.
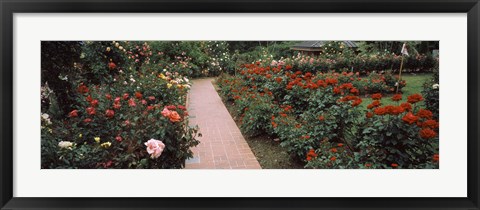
x=239 y=105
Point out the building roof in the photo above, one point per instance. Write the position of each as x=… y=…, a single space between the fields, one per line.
x=315 y=45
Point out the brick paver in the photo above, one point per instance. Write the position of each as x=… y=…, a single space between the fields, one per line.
x=222 y=146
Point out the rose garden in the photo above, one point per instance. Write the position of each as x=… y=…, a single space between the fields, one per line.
x=232 y=104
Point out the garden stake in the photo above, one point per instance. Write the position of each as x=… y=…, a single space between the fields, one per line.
x=399 y=75
x=403 y=52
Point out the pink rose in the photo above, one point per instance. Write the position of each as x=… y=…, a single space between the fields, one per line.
x=166 y=112
x=131 y=102
x=154 y=148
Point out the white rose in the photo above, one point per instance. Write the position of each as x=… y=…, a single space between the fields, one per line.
x=45 y=116
x=65 y=144
x=435 y=86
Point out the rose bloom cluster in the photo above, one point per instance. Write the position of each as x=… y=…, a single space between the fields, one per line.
x=112 y=104
x=422 y=118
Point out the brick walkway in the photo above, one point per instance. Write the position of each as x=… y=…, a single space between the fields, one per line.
x=222 y=146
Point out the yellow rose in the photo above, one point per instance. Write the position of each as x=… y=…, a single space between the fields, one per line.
x=97 y=139
x=169 y=85
x=80 y=135
x=106 y=145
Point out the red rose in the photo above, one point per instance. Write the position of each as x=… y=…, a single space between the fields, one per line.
x=116 y=106
x=151 y=98
x=374 y=104
x=394 y=165
x=91 y=111
x=109 y=113
x=73 y=113
x=150 y=108
x=423 y=113
x=346 y=86
x=278 y=79
x=396 y=110
x=389 y=109
x=333 y=158
x=430 y=124
x=94 y=103
x=87 y=120
x=138 y=95
x=331 y=81
x=321 y=118
x=112 y=65
x=336 y=90
x=369 y=114
x=406 y=106
x=380 y=111
x=171 y=107
x=427 y=133
x=181 y=107
x=321 y=83
x=125 y=96
x=410 y=118
x=397 y=97
x=414 y=98
x=354 y=91
x=117 y=100
x=108 y=96
x=376 y=96
x=82 y=89
x=357 y=102
x=89 y=98
x=436 y=158
x=118 y=138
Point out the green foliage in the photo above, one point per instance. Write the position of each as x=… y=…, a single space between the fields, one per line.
x=431 y=92
x=256 y=118
x=58 y=64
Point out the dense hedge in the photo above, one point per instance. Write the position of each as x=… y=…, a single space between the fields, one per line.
x=363 y=63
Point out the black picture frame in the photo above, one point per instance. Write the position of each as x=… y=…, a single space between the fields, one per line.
x=9 y=7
